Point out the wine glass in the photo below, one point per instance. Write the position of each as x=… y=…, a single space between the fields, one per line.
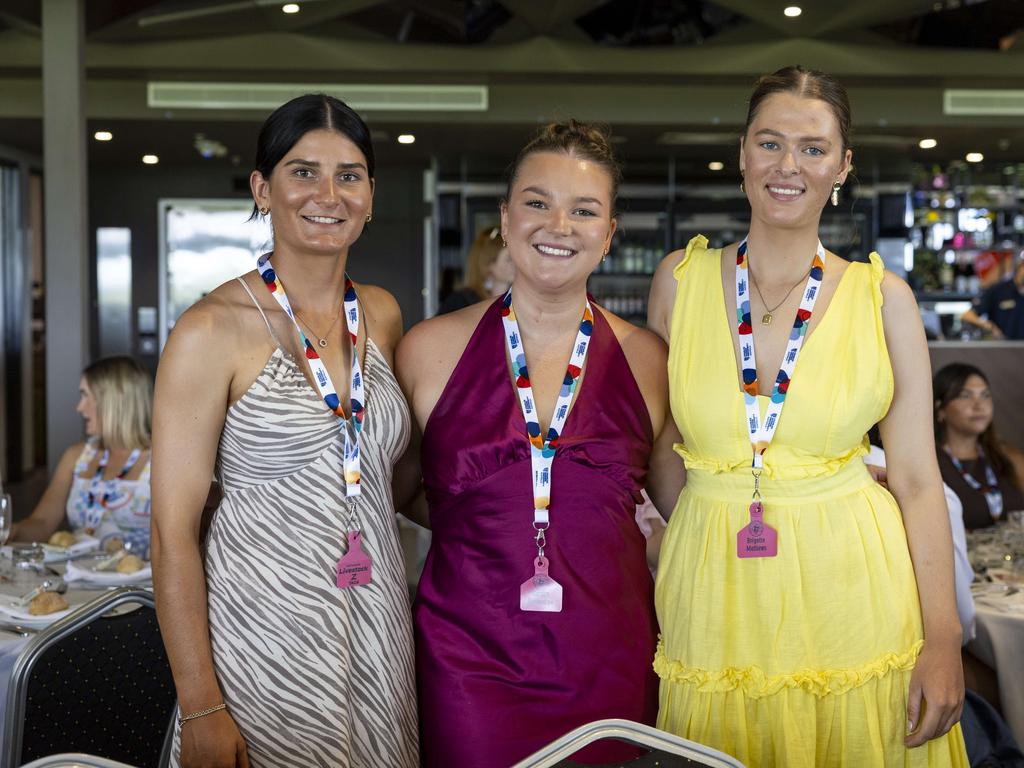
x=6 y=513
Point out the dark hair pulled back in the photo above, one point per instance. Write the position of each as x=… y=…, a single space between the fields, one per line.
x=588 y=141
x=947 y=384
x=291 y=121
x=810 y=84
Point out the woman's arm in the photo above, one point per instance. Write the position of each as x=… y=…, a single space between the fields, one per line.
x=191 y=397
x=49 y=512
x=913 y=478
x=1016 y=457
x=663 y=295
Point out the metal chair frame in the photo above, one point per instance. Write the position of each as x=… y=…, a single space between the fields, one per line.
x=17 y=692
x=626 y=730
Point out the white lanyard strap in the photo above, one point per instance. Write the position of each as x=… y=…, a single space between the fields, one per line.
x=542 y=450
x=350 y=426
x=761 y=434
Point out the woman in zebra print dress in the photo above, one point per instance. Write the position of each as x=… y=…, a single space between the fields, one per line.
x=311 y=674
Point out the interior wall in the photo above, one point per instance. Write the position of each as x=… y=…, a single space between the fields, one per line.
x=390 y=253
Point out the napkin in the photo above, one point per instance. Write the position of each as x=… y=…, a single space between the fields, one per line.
x=88 y=573
x=83 y=545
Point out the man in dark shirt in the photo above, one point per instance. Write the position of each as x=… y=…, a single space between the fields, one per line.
x=1000 y=308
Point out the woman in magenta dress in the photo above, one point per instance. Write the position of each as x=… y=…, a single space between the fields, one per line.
x=505 y=665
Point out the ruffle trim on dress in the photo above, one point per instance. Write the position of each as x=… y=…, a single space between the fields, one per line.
x=821 y=468
x=755 y=684
x=877 y=275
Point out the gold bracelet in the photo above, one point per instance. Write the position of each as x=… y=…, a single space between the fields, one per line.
x=182 y=719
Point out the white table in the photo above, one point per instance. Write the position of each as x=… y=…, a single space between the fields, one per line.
x=999 y=642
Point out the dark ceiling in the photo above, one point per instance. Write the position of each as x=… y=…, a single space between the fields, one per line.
x=574 y=32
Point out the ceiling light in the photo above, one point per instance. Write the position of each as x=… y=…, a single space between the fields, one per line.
x=290 y=7
x=406 y=138
x=715 y=165
x=974 y=157
x=793 y=11
x=150 y=159
x=927 y=143
x=103 y=135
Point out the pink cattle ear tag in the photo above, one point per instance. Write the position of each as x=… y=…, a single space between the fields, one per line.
x=354 y=568
x=757 y=539
x=540 y=593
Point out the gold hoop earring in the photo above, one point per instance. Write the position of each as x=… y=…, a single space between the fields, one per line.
x=742 y=188
x=369 y=218
x=835 y=193
x=264 y=211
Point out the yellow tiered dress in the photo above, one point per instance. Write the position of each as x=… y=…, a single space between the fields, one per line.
x=803 y=659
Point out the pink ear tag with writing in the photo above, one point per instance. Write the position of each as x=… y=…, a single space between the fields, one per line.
x=757 y=538
x=541 y=592
x=355 y=567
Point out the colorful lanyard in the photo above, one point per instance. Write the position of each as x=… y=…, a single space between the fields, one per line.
x=758 y=539
x=761 y=435
x=351 y=427
x=993 y=496
x=110 y=489
x=542 y=451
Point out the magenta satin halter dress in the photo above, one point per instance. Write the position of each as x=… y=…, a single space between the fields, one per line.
x=497 y=683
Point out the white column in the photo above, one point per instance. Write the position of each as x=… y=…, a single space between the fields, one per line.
x=65 y=211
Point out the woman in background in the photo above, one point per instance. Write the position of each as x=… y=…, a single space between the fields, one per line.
x=489 y=272
x=986 y=473
x=102 y=485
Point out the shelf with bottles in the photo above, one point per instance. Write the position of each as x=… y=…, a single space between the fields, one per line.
x=633 y=254
x=630 y=304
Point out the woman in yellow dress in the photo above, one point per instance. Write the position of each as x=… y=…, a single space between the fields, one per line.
x=807 y=614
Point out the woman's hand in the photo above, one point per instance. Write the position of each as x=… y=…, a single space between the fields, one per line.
x=213 y=741
x=936 y=692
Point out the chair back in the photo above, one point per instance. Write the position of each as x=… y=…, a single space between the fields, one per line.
x=97 y=681
x=663 y=750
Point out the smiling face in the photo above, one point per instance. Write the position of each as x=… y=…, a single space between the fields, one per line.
x=319 y=194
x=557 y=220
x=970 y=411
x=87 y=409
x=790 y=157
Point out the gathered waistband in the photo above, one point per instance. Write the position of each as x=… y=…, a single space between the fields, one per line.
x=737 y=485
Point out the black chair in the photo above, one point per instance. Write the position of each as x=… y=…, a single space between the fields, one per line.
x=97 y=681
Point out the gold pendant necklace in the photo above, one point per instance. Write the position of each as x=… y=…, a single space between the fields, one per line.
x=766 y=318
x=320 y=340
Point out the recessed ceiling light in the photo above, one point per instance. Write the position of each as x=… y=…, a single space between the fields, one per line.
x=715 y=165
x=150 y=159
x=793 y=11
x=406 y=138
x=927 y=143
x=974 y=157
x=103 y=135
x=290 y=7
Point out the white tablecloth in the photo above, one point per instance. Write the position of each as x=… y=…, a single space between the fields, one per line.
x=1000 y=644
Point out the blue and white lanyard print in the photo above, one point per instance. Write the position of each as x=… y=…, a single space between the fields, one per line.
x=761 y=434
x=352 y=426
x=94 y=512
x=993 y=496
x=542 y=450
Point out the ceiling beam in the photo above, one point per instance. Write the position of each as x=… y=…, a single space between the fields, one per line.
x=547 y=17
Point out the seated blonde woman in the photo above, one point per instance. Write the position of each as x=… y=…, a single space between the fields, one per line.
x=102 y=484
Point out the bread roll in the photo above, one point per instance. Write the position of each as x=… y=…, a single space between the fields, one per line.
x=62 y=539
x=47 y=602
x=130 y=564
x=116 y=544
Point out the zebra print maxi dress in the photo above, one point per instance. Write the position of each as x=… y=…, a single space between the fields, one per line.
x=313 y=675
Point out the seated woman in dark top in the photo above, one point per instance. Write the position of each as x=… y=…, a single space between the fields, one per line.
x=489 y=272
x=985 y=472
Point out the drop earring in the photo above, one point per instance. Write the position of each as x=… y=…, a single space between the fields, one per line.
x=835 y=193
x=743 y=189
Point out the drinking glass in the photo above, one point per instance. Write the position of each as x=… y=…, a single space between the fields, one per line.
x=6 y=513
x=27 y=562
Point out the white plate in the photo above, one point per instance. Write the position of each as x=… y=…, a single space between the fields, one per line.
x=85 y=570
x=20 y=616
x=83 y=545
